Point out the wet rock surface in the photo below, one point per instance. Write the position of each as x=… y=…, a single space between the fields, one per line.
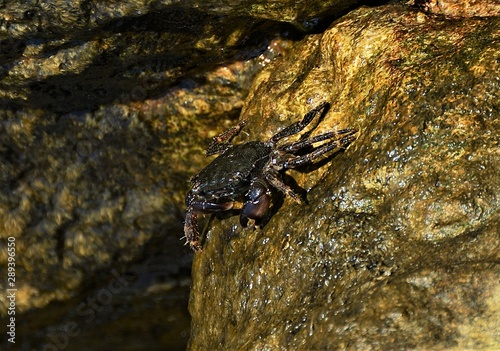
x=398 y=247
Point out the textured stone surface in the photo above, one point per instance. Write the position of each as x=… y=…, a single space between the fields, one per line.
x=459 y=8
x=53 y=17
x=398 y=247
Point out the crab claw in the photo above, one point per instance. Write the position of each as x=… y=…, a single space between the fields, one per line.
x=191 y=230
x=255 y=210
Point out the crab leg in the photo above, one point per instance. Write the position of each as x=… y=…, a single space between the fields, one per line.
x=208 y=207
x=274 y=179
x=308 y=158
x=219 y=143
x=298 y=126
x=308 y=142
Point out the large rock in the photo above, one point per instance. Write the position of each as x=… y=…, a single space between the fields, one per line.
x=398 y=247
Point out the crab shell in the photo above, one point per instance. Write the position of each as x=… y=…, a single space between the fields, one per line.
x=236 y=175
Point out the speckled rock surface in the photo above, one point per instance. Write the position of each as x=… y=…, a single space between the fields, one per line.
x=398 y=247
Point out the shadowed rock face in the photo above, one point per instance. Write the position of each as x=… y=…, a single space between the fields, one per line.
x=398 y=247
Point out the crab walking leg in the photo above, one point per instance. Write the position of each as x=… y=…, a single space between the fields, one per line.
x=191 y=229
x=308 y=158
x=298 y=126
x=219 y=143
x=295 y=146
x=274 y=179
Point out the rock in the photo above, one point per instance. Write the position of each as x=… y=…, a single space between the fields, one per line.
x=398 y=245
x=459 y=8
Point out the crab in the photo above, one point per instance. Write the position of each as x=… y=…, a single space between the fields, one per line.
x=247 y=173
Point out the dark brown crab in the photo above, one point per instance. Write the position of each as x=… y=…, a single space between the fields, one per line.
x=247 y=172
